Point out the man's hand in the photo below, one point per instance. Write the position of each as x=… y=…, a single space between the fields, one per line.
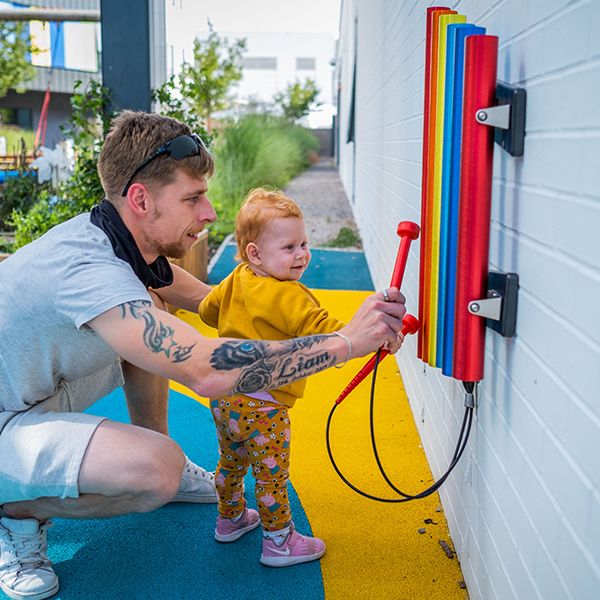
x=377 y=323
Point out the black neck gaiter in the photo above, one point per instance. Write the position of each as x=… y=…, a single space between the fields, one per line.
x=155 y=275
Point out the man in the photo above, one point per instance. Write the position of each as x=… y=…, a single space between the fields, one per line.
x=80 y=314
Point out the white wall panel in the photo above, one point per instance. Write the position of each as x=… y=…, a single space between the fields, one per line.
x=524 y=503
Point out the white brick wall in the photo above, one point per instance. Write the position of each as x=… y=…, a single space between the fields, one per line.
x=524 y=503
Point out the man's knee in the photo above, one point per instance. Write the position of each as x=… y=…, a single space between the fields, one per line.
x=159 y=476
x=131 y=462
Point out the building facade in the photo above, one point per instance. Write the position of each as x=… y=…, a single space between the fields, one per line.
x=523 y=504
x=67 y=52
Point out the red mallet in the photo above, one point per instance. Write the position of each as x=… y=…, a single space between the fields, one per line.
x=407 y=231
x=410 y=325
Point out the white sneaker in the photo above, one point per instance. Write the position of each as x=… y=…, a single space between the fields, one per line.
x=25 y=571
x=197 y=485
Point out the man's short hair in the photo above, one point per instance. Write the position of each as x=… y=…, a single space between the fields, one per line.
x=133 y=137
x=261 y=206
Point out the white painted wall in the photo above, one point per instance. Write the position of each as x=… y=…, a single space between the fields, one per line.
x=524 y=503
x=183 y=19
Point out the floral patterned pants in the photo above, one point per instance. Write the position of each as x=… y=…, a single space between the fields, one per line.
x=254 y=433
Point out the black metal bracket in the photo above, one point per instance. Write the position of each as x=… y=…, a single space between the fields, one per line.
x=507 y=117
x=500 y=307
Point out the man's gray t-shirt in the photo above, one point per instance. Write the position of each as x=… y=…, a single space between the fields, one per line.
x=49 y=290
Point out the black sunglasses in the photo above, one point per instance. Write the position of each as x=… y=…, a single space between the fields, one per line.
x=183 y=146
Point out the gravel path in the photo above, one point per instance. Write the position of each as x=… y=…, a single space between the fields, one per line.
x=319 y=193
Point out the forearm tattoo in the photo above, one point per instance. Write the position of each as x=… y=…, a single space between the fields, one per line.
x=157 y=336
x=262 y=367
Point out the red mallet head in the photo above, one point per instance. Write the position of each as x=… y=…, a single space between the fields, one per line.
x=408 y=229
x=410 y=325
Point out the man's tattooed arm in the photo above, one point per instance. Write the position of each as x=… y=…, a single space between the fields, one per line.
x=264 y=368
x=262 y=365
x=157 y=336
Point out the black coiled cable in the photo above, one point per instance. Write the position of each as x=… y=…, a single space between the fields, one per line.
x=460 y=448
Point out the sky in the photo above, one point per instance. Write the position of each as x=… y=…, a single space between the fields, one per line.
x=314 y=16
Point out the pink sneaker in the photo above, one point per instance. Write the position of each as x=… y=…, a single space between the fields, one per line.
x=294 y=550
x=229 y=531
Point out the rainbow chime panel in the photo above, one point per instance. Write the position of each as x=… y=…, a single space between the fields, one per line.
x=460 y=77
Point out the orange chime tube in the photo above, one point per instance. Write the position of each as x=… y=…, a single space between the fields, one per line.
x=408 y=231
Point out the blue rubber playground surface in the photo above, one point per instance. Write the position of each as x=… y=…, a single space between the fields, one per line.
x=329 y=269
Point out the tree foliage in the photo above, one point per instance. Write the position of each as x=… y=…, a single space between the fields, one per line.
x=170 y=103
x=15 y=69
x=297 y=100
x=204 y=86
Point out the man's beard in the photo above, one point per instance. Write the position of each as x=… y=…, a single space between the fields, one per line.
x=173 y=250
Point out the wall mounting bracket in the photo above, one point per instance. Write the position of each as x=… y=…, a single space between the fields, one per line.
x=500 y=307
x=507 y=117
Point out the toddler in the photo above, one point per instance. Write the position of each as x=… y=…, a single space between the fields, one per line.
x=263 y=299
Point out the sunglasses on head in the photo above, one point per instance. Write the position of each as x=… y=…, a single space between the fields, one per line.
x=183 y=146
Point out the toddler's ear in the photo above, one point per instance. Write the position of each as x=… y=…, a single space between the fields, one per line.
x=253 y=254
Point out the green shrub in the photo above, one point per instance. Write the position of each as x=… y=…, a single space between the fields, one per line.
x=19 y=193
x=6 y=246
x=306 y=141
x=88 y=125
x=79 y=194
x=257 y=150
x=45 y=213
x=345 y=238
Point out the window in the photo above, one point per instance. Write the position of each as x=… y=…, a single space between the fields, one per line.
x=171 y=59
x=21 y=117
x=306 y=64
x=260 y=62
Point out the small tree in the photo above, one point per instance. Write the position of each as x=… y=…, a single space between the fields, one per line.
x=14 y=47
x=217 y=66
x=297 y=100
x=170 y=103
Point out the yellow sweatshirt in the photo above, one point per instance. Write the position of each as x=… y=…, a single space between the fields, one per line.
x=248 y=306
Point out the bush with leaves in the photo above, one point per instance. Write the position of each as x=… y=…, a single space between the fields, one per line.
x=89 y=123
x=19 y=193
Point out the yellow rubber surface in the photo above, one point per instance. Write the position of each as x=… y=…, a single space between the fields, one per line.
x=374 y=550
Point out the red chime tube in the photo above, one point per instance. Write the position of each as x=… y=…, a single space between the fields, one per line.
x=481 y=52
x=430 y=93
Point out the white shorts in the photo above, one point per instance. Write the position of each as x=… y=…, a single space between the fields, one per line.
x=42 y=448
